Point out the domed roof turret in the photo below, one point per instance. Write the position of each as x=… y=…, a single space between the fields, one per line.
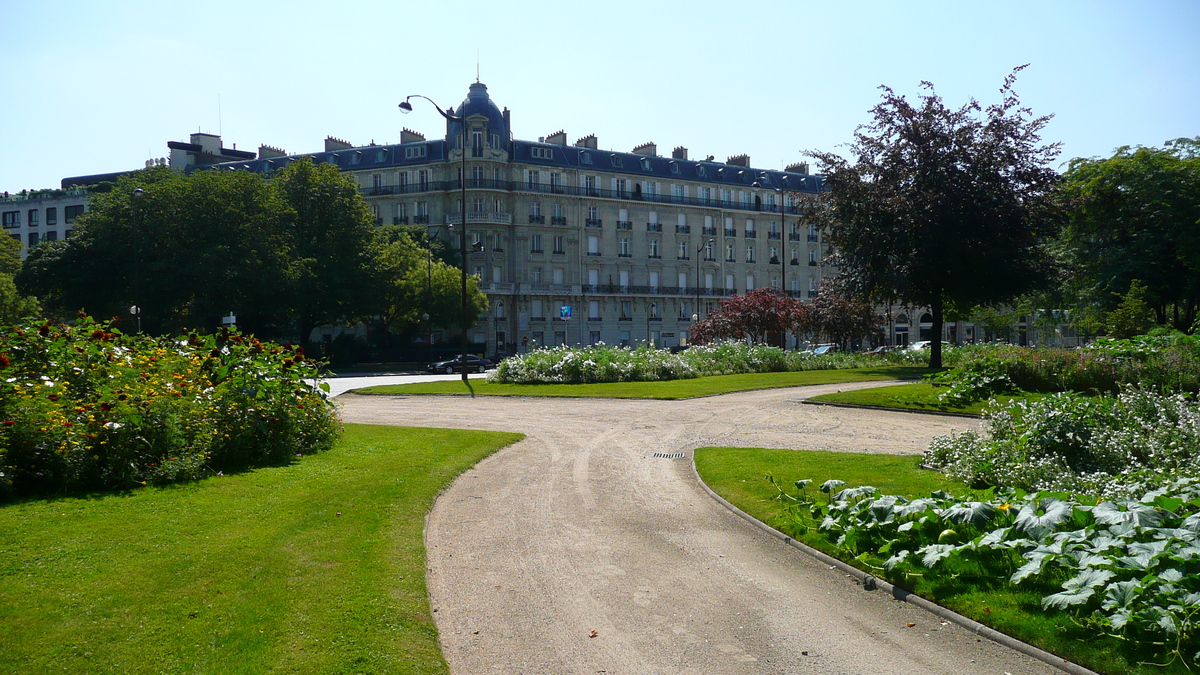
x=478 y=103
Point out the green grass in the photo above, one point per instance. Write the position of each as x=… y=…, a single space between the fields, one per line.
x=314 y=567
x=739 y=475
x=918 y=396
x=670 y=389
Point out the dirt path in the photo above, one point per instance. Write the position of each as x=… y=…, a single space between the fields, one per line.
x=579 y=528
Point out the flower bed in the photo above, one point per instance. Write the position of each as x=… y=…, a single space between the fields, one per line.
x=86 y=407
x=1127 y=568
x=604 y=363
x=1070 y=443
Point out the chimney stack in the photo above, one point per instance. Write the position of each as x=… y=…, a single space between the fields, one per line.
x=267 y=152
x=557 y=138
x=646 y=149
x=679 y=153
x=588 y=142
x=739 y=160
x=332 y=144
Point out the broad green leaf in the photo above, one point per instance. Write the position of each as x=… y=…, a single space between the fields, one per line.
x=1134 y=513
x=935 y=553
x=831 y=485
x=1054 y=511
x=978 y=514
x=1121 y=594
x=1066 y=599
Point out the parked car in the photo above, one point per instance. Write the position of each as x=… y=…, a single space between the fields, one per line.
x=821 y=350
x=474 y=364
x=924 y=344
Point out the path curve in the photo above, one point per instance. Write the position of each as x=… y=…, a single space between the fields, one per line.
x=579 y=528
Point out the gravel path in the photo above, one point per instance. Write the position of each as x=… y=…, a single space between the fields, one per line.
x=579 y=528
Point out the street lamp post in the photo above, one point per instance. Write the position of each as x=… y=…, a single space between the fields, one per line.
x=703 y=245
x=406 y=107
x=136 y=309
x=782 y=263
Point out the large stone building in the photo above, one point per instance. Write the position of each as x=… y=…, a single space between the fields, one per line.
x=574 y=244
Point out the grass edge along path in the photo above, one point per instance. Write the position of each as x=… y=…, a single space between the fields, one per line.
x=317 y=566
x=739 y=476
x=663 y=389
x=917 y=396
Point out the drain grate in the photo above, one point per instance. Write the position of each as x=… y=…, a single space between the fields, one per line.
x=669 y=455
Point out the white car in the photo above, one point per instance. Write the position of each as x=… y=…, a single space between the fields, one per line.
x=924 y=344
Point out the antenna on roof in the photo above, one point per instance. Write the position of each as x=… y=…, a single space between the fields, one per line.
x=476 y=65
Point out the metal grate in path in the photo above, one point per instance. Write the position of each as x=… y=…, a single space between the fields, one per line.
x=669 y=455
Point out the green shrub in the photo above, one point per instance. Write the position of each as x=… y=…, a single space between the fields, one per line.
x=1065 y=442
x=86 y=407
x=604 y=363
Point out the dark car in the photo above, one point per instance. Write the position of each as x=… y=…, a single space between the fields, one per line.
x=474 y=364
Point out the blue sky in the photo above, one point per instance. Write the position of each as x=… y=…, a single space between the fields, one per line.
x=94 y=87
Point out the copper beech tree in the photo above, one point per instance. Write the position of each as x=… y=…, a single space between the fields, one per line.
x=940 y=207
x=751 y=315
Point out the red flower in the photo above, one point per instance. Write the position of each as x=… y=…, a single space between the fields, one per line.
x=105 y=406
x=4 y=361
x=9 y=423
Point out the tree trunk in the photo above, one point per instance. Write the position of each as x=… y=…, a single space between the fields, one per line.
x=935 y=345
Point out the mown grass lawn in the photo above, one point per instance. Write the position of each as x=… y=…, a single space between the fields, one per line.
x=313 y=567
x=916 y=396
x=740 y=476
x=670 y=389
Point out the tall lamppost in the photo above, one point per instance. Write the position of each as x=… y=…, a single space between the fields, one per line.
x=136 y=309
x=703 y=245
x=406 y=107
x=782 y=263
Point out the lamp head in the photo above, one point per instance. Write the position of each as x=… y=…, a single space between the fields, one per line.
x=139 y=192
x=405 y=107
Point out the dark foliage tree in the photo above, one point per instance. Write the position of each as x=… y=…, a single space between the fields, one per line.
x=942 y=207
x=838 y=317
x=186 y=250
x=1136 y=215
x=328 y=228
x=754 y=315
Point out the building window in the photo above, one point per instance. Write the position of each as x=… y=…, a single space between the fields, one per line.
x=535 y=275
x=558 y=244
x=12 y=219
x=645 y=164
x=558 y=211
x=708 y=250
x=500 y=310
x=535 y=243
x=423 y=179
x=495 y=140
x=33 y=239
x=534 y=180
x=682 y=280
x=535 y=208
x=749 y=282
x=52 y=215
x=558 y=275
x=593 y=246
x=585 y=158
x=683 y=251
x=593 y=213
x=620 y=186
x=593 y=309
x=726 y=197
x=654 y=249
x=729 y=285
x=541 y=153
x=616 y=161
x=33 y=217
x=593 y=337
x=414 y=151
x=52 y=236
x=729 y=254
x=651 y=188
x=623 y=245
x=478 y=205
x=589 y=184
x=750 y=254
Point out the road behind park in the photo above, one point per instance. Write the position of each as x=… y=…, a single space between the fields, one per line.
x=579 y=551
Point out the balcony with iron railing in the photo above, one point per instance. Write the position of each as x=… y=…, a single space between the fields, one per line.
x=543 y=188
x=775 y=236
x=493 y=217
x=812 y=238
x=653 y=227
x=593 y=222
x=537 y=219
x=421 y=219
x=558 y=220
x=751 y=234
x=730 y=232
x=617 y=289
x=793 y=236
x=624 y=224
x=708 y=231
x=683 y=229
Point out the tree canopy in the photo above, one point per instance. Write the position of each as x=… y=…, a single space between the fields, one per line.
x=942 y=207
x=753 y=315
x=285 y=255
x=1136 y=215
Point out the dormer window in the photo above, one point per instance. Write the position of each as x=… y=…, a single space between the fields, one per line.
x=356 y=158
x=674 y=168
x=381 y=156
x=541 y=153
x=414 y=152
x=616 y=161
x=701 y=171
x=585 y=158
x=645 y=164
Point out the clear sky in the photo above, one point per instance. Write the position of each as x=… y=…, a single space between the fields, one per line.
x=95 y=87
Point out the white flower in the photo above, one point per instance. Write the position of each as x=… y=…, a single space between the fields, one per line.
x=113 y=426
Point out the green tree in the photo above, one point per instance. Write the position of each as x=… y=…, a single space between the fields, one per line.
x=10 y=255
x=1133 y=315
x=1136 y=215
x=414 y=281
x=328 y=228
x=942 y=207
x=15 y=307
x=184 y=249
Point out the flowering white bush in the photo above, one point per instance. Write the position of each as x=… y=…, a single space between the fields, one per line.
x=604 y=363
x=1068 y=443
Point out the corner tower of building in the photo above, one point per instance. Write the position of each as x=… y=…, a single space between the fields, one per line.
x=488 y=126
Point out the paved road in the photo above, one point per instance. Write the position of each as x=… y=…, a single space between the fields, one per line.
x=579 y=528
x=341 y=385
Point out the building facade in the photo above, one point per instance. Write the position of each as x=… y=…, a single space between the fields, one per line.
x=577 y=245
x=42 y=215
